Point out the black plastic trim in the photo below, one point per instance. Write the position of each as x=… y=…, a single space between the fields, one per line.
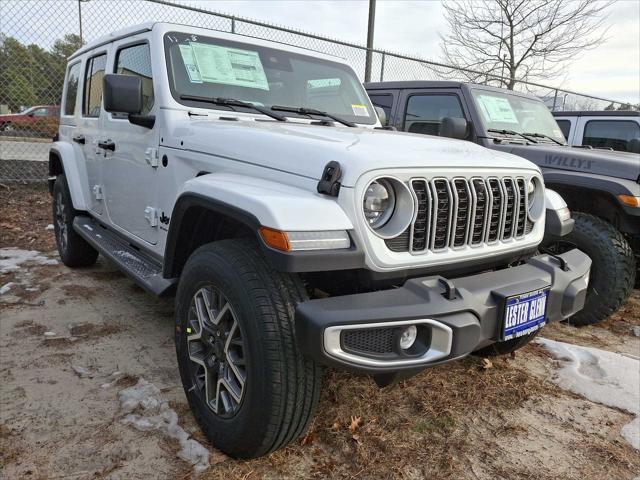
x=304 y=261
x=474 y=315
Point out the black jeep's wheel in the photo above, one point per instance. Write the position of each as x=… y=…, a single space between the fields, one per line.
x=613 y=268
x=249 y=387
x=503 y=348
x=73 y=249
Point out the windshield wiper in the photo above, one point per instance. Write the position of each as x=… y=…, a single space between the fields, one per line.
x=542 y=135
x=230 y=102
x=511 y=132
x=312 y=111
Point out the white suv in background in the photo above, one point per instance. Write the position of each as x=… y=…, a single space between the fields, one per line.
x=617 y=130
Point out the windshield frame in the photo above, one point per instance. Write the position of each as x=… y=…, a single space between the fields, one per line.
x=483 y=127
x=370 y=120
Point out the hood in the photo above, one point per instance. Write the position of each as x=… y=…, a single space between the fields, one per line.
x=305 y=149
x=598 y=162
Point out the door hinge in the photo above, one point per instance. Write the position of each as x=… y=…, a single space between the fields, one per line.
x=151 y=214
x=97 y=192
x=151 y=156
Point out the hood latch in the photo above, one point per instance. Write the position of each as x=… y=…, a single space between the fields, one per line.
x=329 y=183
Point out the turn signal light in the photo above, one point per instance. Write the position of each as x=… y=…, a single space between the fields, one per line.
x=629 y=200
x=275 y=239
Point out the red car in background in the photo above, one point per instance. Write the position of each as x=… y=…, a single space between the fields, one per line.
x=41 y=120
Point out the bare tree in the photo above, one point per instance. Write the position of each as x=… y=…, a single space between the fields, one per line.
x=520 y=39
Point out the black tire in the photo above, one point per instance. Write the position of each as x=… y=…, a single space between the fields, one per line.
x=613 y=268
x=73 y=249
x=504 y=348
x=281 y=387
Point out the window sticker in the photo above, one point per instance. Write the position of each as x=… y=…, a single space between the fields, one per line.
x=323 y=83
x=190 y=64
x=229 y=66
x=496 y=109
x=360 y=110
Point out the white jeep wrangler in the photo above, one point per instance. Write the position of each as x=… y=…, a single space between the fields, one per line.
x=253 y=180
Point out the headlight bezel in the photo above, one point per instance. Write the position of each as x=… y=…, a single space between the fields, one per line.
x=403 y=208
x=536 y=200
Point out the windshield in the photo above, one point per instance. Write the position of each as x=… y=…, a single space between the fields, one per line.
x=211 y=67
x=503 y=111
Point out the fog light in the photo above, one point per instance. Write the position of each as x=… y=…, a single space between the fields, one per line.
x=408 y=337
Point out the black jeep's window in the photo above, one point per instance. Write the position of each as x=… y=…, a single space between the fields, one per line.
x=93 y=85
x=136 y=61
x=384 y=101
x=565 y=126
x=614 y=134
x=425 y=112
x=73 y=77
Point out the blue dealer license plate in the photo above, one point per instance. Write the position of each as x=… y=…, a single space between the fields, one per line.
x=525 y=313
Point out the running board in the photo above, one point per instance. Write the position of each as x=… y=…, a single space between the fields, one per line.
x=140 y=267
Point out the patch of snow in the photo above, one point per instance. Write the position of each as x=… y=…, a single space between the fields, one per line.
x=154 y=413
x=12 y=258
x=49 y=227
x=636 y=331
x=604 y=377
x=49 y=334
x=6 y=287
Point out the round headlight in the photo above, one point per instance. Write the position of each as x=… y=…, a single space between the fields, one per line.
x=378 y=203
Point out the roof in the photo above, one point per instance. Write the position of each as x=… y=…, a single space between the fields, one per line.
x=170 y=26
x=418 y=84
x=413 y=84
x=597 y=113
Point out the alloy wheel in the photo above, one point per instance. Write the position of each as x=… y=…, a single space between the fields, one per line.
x=217 y=352
x=61 y=222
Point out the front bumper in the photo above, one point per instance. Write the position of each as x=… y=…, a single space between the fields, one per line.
x=460 y=315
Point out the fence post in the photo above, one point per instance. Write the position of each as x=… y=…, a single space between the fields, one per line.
x=233 y=25
x=80 y=19
x=555 y=98
x=382 y=68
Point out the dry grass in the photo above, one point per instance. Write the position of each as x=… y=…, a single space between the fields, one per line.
x=26 y=214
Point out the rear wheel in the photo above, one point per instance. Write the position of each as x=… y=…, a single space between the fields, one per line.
x=73 y=249
x=249 y=387
x=613 y=267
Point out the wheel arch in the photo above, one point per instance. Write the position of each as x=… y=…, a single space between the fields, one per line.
x=197 y=220
x=598 y=202
x=63 y=160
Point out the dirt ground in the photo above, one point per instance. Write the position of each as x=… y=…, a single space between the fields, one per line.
x=70 y=340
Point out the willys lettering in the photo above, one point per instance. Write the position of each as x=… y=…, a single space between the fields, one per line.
x=562 y=161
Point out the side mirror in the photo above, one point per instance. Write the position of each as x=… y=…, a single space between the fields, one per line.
x=633 y=145
x=122 y=93
x=454 y=128
x=382 y=115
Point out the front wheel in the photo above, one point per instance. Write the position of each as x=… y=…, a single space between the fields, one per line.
x=613 y=267
x=249 y=387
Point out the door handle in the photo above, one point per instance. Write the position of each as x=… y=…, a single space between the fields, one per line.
x=107 y=145
x=79 y=139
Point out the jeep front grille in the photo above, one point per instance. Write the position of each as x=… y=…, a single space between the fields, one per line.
x=459 y=212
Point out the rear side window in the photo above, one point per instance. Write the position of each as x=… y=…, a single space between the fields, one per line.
x=614 y=134
x=425 y=112
x=136 y=61
x=565 y=126
x=384 y=101
x=73 y=77
x=93 y=85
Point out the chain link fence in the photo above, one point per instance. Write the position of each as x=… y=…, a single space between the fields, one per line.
x=36 y=37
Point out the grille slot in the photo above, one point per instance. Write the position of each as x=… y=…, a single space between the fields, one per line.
x=371 y=340
x=453 y=213
x=510 y=211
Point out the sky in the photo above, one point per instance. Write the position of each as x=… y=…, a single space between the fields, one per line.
x=612 y=70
